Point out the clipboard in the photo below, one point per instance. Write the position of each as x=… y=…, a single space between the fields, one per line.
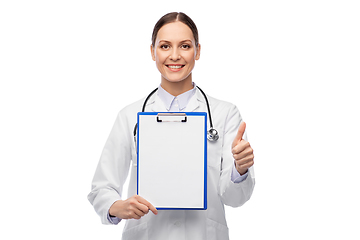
x=172 y=159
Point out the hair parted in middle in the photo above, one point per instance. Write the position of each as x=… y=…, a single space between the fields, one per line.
x=174 y=17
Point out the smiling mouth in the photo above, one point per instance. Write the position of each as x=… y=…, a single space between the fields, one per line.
x=175 y=67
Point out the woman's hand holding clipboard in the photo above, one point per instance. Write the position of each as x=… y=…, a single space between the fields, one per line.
x=134 y=207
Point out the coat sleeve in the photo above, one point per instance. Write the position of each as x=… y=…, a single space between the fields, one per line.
x=233 y=194
x=112 y=170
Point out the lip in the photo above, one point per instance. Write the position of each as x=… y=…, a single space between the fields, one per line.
x=175 y=67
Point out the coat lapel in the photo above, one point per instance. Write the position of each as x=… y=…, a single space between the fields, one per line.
x=193 y=103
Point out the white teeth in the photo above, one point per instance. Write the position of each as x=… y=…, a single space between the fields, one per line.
x=175 y=67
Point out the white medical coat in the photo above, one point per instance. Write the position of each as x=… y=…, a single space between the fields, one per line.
x=119 y=158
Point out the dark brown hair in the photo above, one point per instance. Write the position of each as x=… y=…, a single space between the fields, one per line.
x=173 y=17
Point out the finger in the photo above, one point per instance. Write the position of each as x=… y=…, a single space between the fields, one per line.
x=137 y=207
x=138 y=212
x=243 y=153
x=143 y=208
x=149 y=205
x=240 y=147
x=133 y=215
x=245 y=166
x=239 y=134
x=244 y=160
x=153 y=209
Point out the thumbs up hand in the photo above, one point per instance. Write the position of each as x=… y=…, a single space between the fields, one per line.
x=242 y=151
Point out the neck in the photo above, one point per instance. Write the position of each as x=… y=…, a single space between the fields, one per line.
x=177 y=88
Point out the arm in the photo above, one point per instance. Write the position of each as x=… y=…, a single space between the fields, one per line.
x=111 y=171
x=233 y=194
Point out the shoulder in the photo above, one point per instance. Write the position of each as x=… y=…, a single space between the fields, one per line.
x=135 y=106
x=129 y=113
x=221 y=105
x=224 y=112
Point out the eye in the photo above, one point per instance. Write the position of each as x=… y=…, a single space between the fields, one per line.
x=165 y=46
x=185 y=46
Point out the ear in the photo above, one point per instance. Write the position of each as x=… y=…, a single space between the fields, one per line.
x=197 y=57
x=152 y=52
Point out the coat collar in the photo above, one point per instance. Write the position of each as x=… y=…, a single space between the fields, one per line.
x=156 y=104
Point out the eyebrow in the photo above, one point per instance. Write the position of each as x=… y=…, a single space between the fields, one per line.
x=166 y=41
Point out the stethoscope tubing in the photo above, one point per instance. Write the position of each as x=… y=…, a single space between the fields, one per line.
x=213 y=138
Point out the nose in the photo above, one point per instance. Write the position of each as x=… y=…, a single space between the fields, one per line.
x=175 y=54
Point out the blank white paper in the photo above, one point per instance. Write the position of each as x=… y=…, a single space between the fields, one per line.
x=171 y=162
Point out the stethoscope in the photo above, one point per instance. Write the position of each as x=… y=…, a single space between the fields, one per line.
x=212 y=134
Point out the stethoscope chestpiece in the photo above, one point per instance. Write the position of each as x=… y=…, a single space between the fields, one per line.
x=212 y=135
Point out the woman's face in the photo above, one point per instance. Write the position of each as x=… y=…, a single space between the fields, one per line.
x=175 y=52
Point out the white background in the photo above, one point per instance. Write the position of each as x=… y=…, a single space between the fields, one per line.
x=292 y=68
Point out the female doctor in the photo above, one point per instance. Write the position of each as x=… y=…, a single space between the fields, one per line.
x=175 y=48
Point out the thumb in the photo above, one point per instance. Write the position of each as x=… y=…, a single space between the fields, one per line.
x=239 y=134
